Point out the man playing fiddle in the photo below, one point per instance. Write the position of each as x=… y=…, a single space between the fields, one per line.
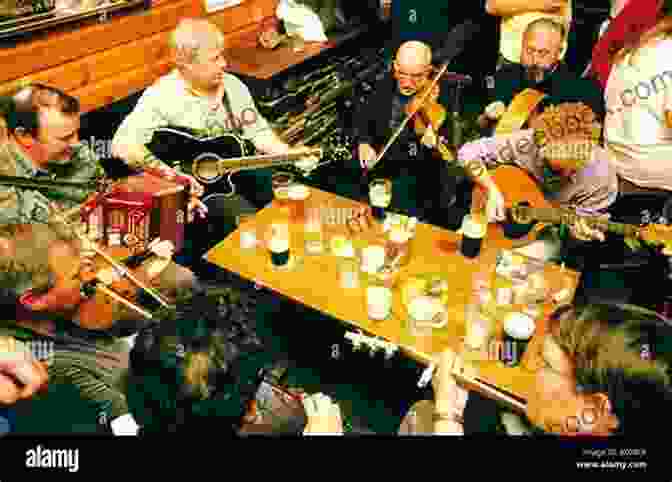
x=420 y=181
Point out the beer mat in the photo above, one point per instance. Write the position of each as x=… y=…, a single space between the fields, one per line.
x=293 y=263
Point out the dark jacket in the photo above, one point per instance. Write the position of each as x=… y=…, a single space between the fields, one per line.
x=372 y=126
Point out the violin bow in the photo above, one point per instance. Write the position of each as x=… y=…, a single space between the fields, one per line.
x=408 y=117
x=123 y=271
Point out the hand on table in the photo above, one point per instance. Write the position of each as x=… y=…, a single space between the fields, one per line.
x=324 y=416
x=21 y=375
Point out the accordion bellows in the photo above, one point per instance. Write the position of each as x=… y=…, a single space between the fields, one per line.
x=143 y=207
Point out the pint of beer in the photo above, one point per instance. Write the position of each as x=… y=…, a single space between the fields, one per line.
x=380 y=194
x=298 y=193
x=473 y=231
x=278 y=244
x=281 y=182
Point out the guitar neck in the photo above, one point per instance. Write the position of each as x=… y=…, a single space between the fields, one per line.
x=269 y=160
x=557 y=215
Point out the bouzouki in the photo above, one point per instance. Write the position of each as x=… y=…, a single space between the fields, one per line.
x=467 y=377
x=526 y=205
x=210 y=159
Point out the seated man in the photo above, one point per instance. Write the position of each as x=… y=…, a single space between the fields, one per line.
x=40 y=305
x=638 y=124
x=517 y=15
x=200 y=96
x=598 y=379
x=541 y=68
x=223 y=376
x=421 y=183
x=43 y=125
x=571 y=170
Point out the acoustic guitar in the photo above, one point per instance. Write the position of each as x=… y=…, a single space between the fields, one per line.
x=526 y=207
x=211 y=159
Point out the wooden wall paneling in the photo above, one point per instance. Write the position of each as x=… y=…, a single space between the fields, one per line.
x=60 y=47
x=80 y=73
x=118 y=87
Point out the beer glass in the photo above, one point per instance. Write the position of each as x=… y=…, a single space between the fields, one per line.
x=518 y=329
x=297 y=194
x=313 y=236
x=380 y=195
x=281 y=182
x=247 y=231
x=378 y=302
x=473 y=231
x=278 y=244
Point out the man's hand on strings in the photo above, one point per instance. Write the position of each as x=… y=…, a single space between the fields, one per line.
x=307 y=163
x=429 y=138
x=449 y=396
x=162 y=248
x=367 y=155
x=196 y=207
x=581 y=230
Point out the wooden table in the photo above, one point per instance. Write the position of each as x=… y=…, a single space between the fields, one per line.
x=313 y=281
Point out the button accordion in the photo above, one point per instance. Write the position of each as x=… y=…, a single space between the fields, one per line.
x=139 y=209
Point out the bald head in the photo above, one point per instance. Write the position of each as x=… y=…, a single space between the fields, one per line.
x=414 y=54
x=192 y=38
x=412 y=66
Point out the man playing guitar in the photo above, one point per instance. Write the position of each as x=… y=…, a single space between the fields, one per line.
x=199 y=95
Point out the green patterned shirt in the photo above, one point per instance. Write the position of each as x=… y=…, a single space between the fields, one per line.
x=23 y=205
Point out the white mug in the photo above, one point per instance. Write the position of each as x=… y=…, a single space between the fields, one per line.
x=379 y=302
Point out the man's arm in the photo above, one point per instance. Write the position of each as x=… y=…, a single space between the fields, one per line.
x=505 y=8
x=136 y=131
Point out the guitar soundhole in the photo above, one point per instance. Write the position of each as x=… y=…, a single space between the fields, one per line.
x=206 y=168
x=519 y=222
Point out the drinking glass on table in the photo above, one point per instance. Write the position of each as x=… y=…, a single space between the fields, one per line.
x=281 y=183
x=278 y=244
x=380 y=196
x=247 y=230
x=298 y=193
x=474 y=227
x=313 y=236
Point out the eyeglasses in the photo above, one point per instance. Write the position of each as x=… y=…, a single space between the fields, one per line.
x=398 y=74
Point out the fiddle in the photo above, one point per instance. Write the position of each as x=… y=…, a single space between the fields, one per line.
x=425 y=114
x=428 y=114
x=95 y=294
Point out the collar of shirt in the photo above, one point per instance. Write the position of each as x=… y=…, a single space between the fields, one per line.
x=212 y=101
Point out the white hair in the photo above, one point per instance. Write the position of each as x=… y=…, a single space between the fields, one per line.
x=192 y=37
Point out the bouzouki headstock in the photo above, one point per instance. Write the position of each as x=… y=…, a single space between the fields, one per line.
x=374 y=344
